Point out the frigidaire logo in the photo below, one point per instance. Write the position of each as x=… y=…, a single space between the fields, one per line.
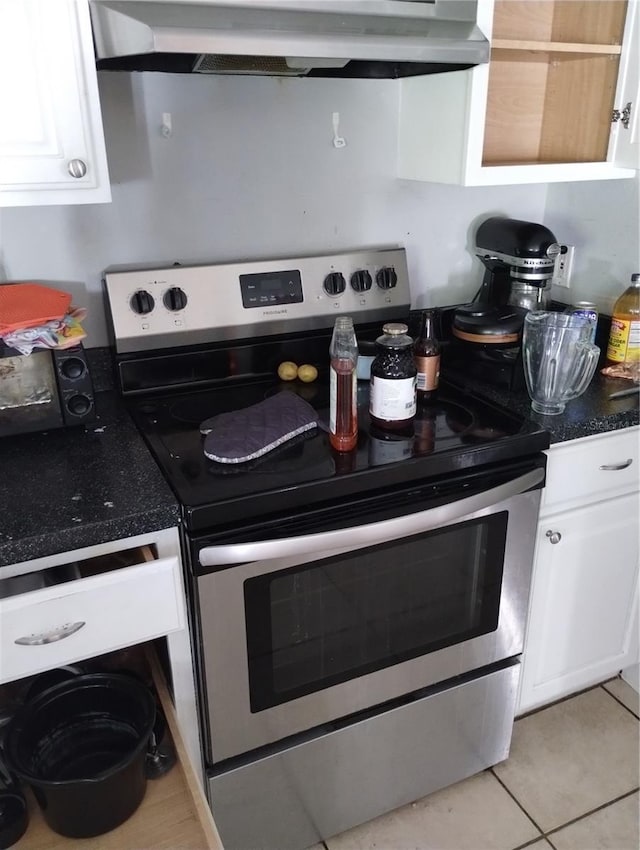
x=282 y=312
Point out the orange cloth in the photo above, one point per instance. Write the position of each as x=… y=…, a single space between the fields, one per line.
x=27 y=305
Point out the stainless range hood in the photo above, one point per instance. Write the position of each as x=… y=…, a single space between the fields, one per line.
x=328 y=38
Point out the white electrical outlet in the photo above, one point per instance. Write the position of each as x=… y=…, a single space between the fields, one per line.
x=563 y=267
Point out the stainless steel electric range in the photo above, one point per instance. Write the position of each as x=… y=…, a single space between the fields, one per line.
x=357 y=619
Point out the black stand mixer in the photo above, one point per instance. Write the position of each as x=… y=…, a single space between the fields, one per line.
x=485 y=335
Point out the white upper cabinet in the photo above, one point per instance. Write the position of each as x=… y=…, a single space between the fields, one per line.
x=51 y=140
x=541 y=110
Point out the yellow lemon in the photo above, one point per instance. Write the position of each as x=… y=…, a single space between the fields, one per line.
x=287 y=371
x=307 y=373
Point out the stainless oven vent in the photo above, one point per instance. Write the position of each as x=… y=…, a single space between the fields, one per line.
x=272 y=66
x=382 y=39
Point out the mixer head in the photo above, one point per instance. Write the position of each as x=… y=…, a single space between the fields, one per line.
x=528 y=250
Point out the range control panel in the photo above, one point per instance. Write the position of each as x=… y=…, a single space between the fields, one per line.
x=155 y=308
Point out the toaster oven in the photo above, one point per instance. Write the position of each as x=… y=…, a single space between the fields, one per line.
x=48 y=388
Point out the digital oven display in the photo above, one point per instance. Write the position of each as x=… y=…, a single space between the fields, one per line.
x=269 y=289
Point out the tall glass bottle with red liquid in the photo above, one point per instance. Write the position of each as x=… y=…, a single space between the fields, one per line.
x=343 y=410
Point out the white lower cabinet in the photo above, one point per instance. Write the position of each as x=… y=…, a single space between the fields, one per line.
x=583 y=616
x=73 y=606
x=118 y=595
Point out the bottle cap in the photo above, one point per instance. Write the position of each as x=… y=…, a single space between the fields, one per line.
x=395 y=328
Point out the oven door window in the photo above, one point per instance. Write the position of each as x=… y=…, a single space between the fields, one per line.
x=316 y=625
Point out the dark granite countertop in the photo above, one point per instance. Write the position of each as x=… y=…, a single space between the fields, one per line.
x=70 y=488
x=67 y=489
x=592 y=413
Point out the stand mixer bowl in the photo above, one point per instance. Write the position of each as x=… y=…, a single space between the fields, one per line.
x=528 y=297
x=559 y=361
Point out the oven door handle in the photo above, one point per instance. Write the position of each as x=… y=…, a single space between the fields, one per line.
x=362 y=536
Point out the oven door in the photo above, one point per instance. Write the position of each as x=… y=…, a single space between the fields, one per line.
x=307 y=621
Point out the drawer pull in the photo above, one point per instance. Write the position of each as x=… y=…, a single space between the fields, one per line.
x=554 y=536
x=51 y=637
x=614 y=466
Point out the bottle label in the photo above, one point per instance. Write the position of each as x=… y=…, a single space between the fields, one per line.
x=428 y=372
x=333 y=397
x=393 y=400
x=624 y=341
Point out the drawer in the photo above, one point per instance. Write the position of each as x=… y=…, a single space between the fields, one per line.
x=592 y=469
x=89 y=616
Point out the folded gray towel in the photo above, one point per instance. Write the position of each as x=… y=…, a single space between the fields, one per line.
x=246 y=434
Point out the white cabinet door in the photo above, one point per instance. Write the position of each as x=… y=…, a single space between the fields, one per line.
x=624 y=147
x=51 y=139
x=584 y=607
x=522 y=118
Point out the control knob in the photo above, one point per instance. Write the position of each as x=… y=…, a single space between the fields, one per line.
x=386 y=278
x=361 y=280
x=78 y=405
x=142 y=302
x=73 y=368
x=174 y=299
x=334 y=283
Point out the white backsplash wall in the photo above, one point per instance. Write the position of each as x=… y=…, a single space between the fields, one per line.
x=602 y=220
x=250 y=171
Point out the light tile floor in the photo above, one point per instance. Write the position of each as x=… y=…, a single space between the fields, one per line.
x=570 y=783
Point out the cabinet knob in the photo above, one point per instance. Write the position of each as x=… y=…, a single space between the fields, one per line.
x=77 y=168
x=554 y=536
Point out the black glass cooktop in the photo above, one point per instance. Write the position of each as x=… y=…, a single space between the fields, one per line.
x=454 y=433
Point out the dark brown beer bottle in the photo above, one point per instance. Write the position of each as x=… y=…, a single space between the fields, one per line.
x=426 y=352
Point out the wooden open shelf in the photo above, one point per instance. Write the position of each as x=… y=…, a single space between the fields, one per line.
x=552 y=80
x=173 y=814
x=555 y=46
x=587 y=22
